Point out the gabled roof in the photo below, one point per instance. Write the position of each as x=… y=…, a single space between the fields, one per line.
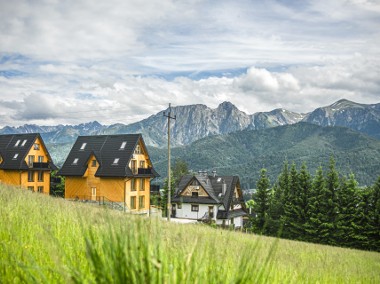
x=107 y=149
x=213 y=185
x=15 y=147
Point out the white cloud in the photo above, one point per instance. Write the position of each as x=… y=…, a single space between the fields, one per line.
x=75 y=61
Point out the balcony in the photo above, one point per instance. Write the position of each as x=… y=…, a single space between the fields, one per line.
x=39 y=165
x=144 y=171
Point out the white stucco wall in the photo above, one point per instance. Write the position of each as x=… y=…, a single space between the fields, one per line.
x=185 y=211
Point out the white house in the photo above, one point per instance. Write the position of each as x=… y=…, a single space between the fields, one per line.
x=210 y=197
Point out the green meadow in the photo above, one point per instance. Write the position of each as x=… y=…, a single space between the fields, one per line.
x=48 y=240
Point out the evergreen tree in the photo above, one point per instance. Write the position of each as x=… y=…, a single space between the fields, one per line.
x=180 y=169
x=302 y=202
x=328 y=205
x=313 y=226
x=290 y=205
x=374 y=220
x=261 y=198
x=363 y=218
x=347 y=222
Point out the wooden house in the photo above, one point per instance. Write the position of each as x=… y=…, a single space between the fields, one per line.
x=25 y=162
x=110 y=168
x=210 y=197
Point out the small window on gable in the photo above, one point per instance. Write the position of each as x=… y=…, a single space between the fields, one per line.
x=75 y=162
x=23 y=143
x=219 y=179
x=36 y=146
x=93 y=163
x=115 y=161
x=122 y=146
x=17 y=142
x=15 y=156
x=83 y=146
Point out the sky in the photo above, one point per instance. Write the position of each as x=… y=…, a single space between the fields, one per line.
x=120 y=61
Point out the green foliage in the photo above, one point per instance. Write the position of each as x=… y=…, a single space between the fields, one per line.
x=261 y=202
x=48 y=240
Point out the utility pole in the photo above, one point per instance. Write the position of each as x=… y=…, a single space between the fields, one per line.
x=169 y=116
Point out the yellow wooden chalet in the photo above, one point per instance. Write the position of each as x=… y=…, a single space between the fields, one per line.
x=25 y=162
x=110 y=169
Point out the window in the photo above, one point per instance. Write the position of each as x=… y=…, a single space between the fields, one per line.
x=142 y=202
x=30 y=176
x=133 y=202
x=133 y=184
x=122 y=147
x=75 y=162
x=93 y=163
x=40 y=189
x=115 y=161
x=138 y=150
x=134 y=167
x=194 y=208
x=30 y=160
x=194 y=194
x=142 y=184
x=83 y=146
x=40 y=176
x=17 y=142
x=142 y=164
x=23 y=143
x=40 y=159
x=15 y=156
x=31 y=188
x=36 y=146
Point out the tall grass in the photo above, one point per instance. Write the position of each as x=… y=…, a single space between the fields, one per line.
x=47 y=240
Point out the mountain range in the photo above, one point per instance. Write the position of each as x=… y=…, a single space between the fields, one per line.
x=194 y=122
x=233 y=142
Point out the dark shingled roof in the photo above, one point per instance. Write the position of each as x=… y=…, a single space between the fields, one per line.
x=213 y=185
x=106 y=148
x=14 y=156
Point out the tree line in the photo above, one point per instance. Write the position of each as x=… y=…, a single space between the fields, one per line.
x=326 y=208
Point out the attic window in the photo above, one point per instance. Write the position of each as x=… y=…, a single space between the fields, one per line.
x=75 y=162
x=17 y=143
x=123 y=145
x=23 y=143
x=116 y=161
x=15 y=156
x=36 y=146
x=83 y=146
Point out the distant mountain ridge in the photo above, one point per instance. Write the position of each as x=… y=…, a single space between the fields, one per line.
x=198 y=121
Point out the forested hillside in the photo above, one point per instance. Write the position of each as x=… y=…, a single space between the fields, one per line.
x=244 y=153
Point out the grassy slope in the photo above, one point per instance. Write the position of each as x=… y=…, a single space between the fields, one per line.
x=48 y=240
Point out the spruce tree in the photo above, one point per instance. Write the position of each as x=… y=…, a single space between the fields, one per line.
x=348 y=227
x=290 y=205
x=328 y=205
x=277 y=202
x=374 y=220
x=262 y=199
x=313 y=226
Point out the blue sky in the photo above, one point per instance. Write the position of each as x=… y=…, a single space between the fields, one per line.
x=119 y=61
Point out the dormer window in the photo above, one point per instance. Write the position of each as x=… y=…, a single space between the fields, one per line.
x=23 y=143
x=115 y=161
x=75 y=162
x=83 y=146
x=17 y=142
x=15 y=156
x=122 y=146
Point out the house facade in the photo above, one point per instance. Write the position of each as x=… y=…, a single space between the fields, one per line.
x=111 y=168
x=25 y=162
x=210 y=197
